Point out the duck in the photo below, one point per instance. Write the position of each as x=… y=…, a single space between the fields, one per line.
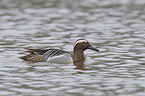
x=60 y=56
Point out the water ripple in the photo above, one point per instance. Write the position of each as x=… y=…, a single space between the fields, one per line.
x=116 y=29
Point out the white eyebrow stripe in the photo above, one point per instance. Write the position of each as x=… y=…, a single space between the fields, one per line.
x=80 y=41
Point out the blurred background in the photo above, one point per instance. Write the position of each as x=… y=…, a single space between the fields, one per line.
x=115 y=27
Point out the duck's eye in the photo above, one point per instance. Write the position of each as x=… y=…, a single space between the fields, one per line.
x=85 y=42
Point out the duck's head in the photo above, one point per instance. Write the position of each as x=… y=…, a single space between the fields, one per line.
x=82 y=44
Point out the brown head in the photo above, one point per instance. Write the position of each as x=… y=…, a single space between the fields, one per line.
x=82 y=45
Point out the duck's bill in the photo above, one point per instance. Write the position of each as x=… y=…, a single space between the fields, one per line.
x=93 y=48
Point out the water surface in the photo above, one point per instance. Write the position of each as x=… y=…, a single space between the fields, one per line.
x=116 y=28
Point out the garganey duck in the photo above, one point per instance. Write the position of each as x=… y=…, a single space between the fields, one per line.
x=59 y=56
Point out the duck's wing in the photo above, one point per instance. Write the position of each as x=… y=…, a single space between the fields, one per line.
x=54 y=52
x=38 y=51
x=48 y=52
x=42 y=54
